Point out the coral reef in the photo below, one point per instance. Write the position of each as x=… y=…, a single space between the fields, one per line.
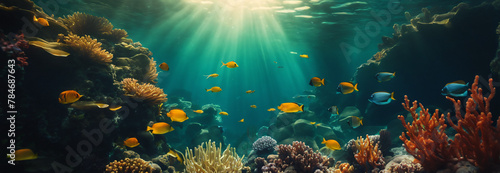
x=341 y=168
x=403 y=163
x=211 y=159
x=129 y=165
x=368 y=155
x=14 y=47
x=86 y=24
x=88 y=47
x=145 y=92
x=151 y=75
x=265 y=144
x=429 y=144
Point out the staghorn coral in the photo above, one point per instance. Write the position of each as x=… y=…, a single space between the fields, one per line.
x=88 y=47
x=210 y=159
x=146 y=92
x=367 y=154
x=265 y=144
x=430 y=145
x=297 y=156
x=127 y=165
x=86 y=24
x=151 y=75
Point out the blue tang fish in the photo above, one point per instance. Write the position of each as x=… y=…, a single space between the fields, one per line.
x=381 y=98
x=455 y=89
x=384 y=76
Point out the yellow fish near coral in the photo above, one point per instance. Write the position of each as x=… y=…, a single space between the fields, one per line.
x=114 y=108
x=174 y=154
x=253 y=106
x=88 y=105
x=198 y=111
x=164 y=66
x=347 y=88
x=212 y=75
x=304 y=56
x=160 y=128
x=131 y=142
x=41 y=21
x=223 y=113
x=230 y=64
x=291 y=107
x=177 y=115
x=312 y=123
x=331 y=144
x=23 y=154
x=271 y=109
x=250 y=91
x=214 y=89
x=69 y=96
x=242 y=120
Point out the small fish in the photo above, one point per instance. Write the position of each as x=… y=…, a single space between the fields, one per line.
x=250 y=91
x=304 y=96
x=304 y=56
x=212 y=75
x=131 y=142
x=198 y=111
x=312 y=123
x=381 y=98
x=69 y=96
x=291 y=107
x=177 y=115
x=294 y=53
x=24 y=154
x=280 y=66
x=318 y=124
x=160 y=128
x=455 y=89
x=317 y=82
x=347 y=88
x=114 y=108
x=253 y=106
x=275 y=62
x=333 y=110
x=164 y=66
x=271 y=109
x=384 y=76
x=331 y=144
x=88 y=105
x=230 y=64
x=242 y=120
x=174 y=154
x=214 y=89
x=41 y=21
x=223 y=113
x=353 y=121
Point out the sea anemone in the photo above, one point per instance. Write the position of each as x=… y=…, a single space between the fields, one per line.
x=88 y=47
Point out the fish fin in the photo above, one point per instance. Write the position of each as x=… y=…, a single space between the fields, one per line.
x=394 y=74
x=35 y=19
x=356 y=87
x=392 y=96
x=149 y=128
x=208 y=76
x=302 y=108
x=324 y=141
x=457 y=82
x=311 y=82
x=222 y=64
x=323 y=81
x=361 y=121
x=337 y=111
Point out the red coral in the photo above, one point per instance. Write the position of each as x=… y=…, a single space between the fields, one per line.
x=14 y=46
x=368 y=154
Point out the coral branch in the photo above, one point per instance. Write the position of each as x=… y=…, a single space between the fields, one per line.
x=368 y=154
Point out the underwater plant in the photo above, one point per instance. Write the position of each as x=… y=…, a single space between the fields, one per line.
x=88 y=47
x=146 y=92
x=211 y=159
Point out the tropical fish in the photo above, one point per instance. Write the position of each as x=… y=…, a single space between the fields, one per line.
x=223 y=113
x=271 y=109
x=174 y=154
x=230 y=64
x=312 y=123
x=214 y=89
x=198 y=111
x=291 y=107
x=164 y=66
x=49 y=47
x=347 y=88
x=455 y=89
x=212 y=75
x=242 y=120
x=275 y=62
x=317 y=82
x=318 y=124
x=250 y=91
x=69 y=96
x=177 y=115
x=114 y=108
x=381 y=98
x=331 y=144
x=353 y=121
x=24 y=154
x=293 y=52
x=131 y=142
x=333 y=110
x=253 y=106
x=41 y=21
x=384 y=76
x=88 y=105
x=160 y=128
x=304 y=56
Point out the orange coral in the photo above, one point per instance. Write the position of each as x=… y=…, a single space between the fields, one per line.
x=146 y=92
x=88 y=47
x=368 y=154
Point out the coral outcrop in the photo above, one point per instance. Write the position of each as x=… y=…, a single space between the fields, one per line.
x=265 y=144
x=209 y=158
x=368 y=154
x=89 y=48
x=86 y=24
x=129 y=165
x=145 y=92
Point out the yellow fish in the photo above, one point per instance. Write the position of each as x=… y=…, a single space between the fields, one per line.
x=131 y=142
x=317 y=82
x=214 y=89
x=160 y=128
x=304 y=56
x=291 y=107
x=174 y=154
x=318 y=124
x=331 y=144
x=177 y=115
x=242 y=120
x=312 y=122
x=164 y=66
x=347 y=88
x=198 y=111
x=24 y=154
x=250 y=91
x=115 y=108
x=223 y=113
x=353 y=121
x=69 y=96
x=271 y=109
x=212 y=75
x=41 y=21
x=230 y=64
x=88 y=105
x=253 y=106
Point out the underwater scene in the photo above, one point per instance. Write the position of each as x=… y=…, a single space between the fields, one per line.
x=250 y=86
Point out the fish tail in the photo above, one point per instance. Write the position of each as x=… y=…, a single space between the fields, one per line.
x=394 y=74
x=356 y=87
x=207 y=90
x=208 y=76
x=302 y=108
x=35 y=19
x=361 y=121
x=222 y=64
x=323 y=81
x=324 y=141
x=392 y=96
x=149 y=128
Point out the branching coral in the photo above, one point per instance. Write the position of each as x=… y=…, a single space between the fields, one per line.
x=86 y=24
x=147 y=92
x=368 y=154
x=300 y=156
x=210 y=159
x=151 y=75
x=129 y=165
x=88 y=47
x=476 y=141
